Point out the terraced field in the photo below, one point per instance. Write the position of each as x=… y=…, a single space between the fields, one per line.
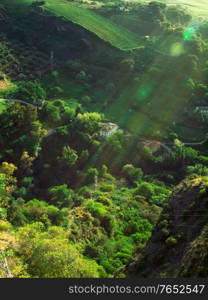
x=105 y=29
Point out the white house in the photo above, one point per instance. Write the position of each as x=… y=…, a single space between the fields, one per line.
x=108 y=129
x=202 y=111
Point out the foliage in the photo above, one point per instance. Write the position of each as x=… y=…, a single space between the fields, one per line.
x=74 y=203
x=42 y=252
x=88 y=122
x=29 y=92
x=132 y=173
x=39 y=211
x=68 y=156
x=96 y=209
x=61 y=196
x=56 y=113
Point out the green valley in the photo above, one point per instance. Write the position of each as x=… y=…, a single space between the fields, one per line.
x=103 y=139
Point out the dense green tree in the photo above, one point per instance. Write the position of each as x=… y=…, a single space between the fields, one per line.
x=132 y=173
x=21 y=131
x=145 y=189
x=56 y=113
x=90 y=175
x=88 y=122
x=61 y=196
x=68 y=156
x=39 y=211
x=29 y=91
x=41 y=251
x=7 y=183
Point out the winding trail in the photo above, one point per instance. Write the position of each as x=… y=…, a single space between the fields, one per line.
x=52 y=131
x=20 y=101
x=197 y=143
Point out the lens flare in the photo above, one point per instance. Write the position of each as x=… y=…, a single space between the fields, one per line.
x=177 y=49
x=189 y=33
x=144 y=92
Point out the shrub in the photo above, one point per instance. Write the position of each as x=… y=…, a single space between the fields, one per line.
x=171 y=241
x=39 y=211
x=4 y=225
x=132 y=173
x=61 y=196
x=81 y=76
x=104 y=187
x=56 y=91
x=141 y=238
x=104 y=200
x=90 y=175
x=97 y=209
x=165 y=232
x=68 y=156
x=29 y=91
x=86 y=99
x=74 y=65
x=3 y=213
x=145 y=189
x=41 y=251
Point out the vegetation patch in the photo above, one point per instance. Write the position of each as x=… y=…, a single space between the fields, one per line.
x=108 y=31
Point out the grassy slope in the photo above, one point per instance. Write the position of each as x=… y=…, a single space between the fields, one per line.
x=115 y=34
x=198 y=8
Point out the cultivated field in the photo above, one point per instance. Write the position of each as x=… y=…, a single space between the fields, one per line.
x=105 y=29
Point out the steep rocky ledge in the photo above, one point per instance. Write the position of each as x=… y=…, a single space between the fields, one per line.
x=179 y=243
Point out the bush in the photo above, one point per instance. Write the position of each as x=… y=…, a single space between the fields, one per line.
x=50 y=255
x=203 y=159
x=131 y=173
x=171 y=241
x=56 y=91
x=145 y=189
x=39 y=211
x=108 y=224
x=198 y=169
x=3 y=213
x=86 y=99
x=68 y=156
x=74 y=65
x=104 y=187
x=97 y=209
x=141 y=238
x=81 y=76
x=61 y=196
x=90 y=175
x=104 y=200
x=4 y=225
x=56 y=113
x=29 y=91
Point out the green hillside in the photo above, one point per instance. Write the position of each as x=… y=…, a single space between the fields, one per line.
x=116 y=35
x=198 y=8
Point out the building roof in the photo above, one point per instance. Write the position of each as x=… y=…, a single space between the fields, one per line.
x=201 y=108
x=108 y=128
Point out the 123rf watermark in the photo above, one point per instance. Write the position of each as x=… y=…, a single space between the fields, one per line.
x=158 y=289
